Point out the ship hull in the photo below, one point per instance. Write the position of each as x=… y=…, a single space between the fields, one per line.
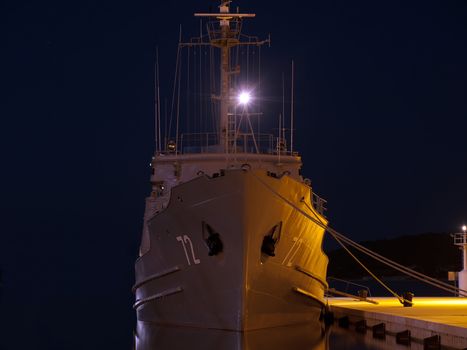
x=149 y=336
x=241 y=287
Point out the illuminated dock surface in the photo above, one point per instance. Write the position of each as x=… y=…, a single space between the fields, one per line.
x=429 y=316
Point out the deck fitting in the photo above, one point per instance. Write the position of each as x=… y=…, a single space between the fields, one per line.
x=344 y=322
x=403 y=337
x=432 y=343
x=379 y=331
x=360 y=326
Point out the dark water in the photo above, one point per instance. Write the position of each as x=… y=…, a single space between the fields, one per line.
x=33 y=318
x=313 y=336
x=310 y=336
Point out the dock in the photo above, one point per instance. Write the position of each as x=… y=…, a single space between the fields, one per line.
x=435 y=322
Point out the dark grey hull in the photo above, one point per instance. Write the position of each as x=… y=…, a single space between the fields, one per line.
x=240 y=288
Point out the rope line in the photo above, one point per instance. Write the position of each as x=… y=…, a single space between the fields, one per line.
x=401 y=299
x=412 y=273
x=338 y=236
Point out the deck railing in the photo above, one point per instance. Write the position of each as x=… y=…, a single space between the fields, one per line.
x=319 y=204
x=245 y=143
x=460 y=238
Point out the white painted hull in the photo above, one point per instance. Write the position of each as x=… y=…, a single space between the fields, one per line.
x=241 y=288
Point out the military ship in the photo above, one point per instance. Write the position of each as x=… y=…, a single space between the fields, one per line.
x=225 y=242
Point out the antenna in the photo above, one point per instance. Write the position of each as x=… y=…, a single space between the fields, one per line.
x=165 y=125
x=282 y=131
x=292 y=110
x=177 y=73
x=158 y=104
x=279 y=141
x=178 y=94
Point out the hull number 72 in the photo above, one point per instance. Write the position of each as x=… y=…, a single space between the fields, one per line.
x=186 y=241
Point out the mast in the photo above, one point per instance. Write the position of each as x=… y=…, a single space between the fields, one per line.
x=224 y=35
x=225 y=76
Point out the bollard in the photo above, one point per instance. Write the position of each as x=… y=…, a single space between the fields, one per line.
x=408 y=299
x=360 y=326
x=432 y=343
x=403 y=337
x=344 y=322
x=379 y=331
x=363 y=293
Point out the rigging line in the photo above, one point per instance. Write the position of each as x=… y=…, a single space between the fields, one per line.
x=187 y=125
x=197 y=68
x=206 y=90
x=301 y=211
x=156 y=100
x=177 y=67
x=383 y=259
x=200 y=78
x=158 y=103
x=312 y=210
x=252 y=132
x=279 y=140
x=237 y=62
x=157 y=106
x=292 y=110
x=412 y=273
x=248 y=63
x=178 y=99
x=237 y=128
x=422 y=278
x=204 y=100
x=259 y=88
x=343 y=246
x=401 y=299
x=195 y=91
x=331 y=230
x=165 y=124
x=282 y=131
x=212 y=89
x=394 y=264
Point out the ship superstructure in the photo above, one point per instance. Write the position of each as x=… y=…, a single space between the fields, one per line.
x=221 y=246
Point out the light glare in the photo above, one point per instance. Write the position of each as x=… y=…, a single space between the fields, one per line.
x=464 y=228
x=244 y=97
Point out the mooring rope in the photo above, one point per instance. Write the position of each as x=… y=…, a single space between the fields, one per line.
x=412 y=273
x=400 y=298
x=338 y=236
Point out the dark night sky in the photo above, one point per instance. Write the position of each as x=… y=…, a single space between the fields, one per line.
x=381 y=108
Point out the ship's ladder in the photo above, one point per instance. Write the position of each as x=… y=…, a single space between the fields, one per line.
x=231 y=133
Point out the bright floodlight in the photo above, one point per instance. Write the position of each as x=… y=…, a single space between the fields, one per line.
x=244 y=97
x=464 y=228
